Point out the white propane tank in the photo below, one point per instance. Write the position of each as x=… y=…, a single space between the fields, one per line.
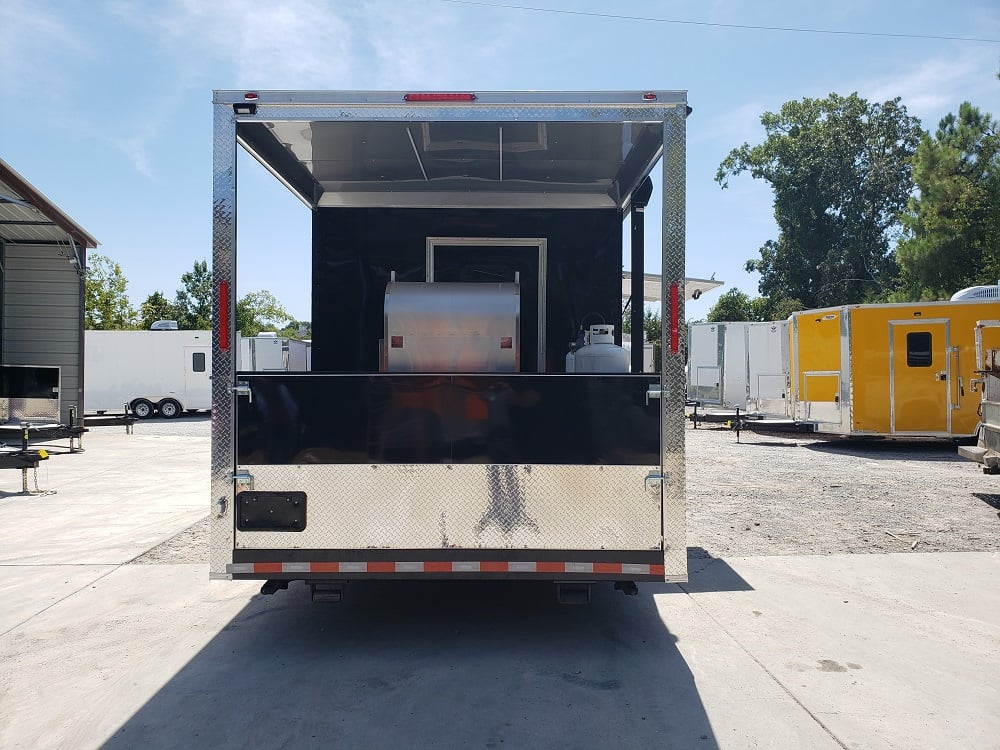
x=571 y=361
x=601 y=354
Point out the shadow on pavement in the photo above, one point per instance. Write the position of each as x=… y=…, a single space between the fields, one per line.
x=707 y=573
x=892 y=450
x=433 y=664
x=992 y=500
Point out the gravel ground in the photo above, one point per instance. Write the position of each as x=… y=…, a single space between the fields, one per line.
x=782 y=495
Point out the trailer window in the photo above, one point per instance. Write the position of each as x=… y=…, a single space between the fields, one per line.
x=198 y=362
x=918 y=349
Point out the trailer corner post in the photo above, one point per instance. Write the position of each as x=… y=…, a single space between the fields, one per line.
x=672 y=376
x=223 y=361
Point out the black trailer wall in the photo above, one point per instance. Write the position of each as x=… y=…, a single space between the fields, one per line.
x=356 y=249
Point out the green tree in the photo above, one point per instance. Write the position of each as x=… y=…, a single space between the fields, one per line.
x=156 y=307
x=106 y=297
x=781 y=309
x=840 y=171
x=194 y=299
x=259 y=311
x=732 y=305
x=953 y=226
x=652 y=323
x=296 y=329
x=735 y=305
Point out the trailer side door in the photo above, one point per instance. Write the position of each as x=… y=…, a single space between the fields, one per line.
x=920 y=371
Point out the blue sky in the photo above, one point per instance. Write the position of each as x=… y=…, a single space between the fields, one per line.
x=107 y=104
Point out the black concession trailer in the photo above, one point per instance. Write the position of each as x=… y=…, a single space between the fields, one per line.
x=468 y=412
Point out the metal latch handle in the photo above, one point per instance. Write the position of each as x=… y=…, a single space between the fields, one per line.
x=654 y=391
x=243 y=389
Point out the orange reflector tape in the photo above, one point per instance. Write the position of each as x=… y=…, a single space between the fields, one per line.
x=456 y=566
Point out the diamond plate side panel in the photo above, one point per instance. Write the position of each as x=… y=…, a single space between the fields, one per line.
x=398 y=506
x=28 y=409
x=672 y=376
x=221 y=524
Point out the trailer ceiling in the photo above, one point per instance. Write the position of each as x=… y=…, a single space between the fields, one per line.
x=461 y=160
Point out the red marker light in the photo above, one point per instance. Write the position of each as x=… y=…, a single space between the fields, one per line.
x=439 y=97
x=251 y=96
x=396 y=342
x=506 y=342
x=223 y=316
x=675 y=325
x=649 y=96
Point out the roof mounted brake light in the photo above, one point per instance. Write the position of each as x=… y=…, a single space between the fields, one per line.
x=649 y=96
x=251 y=96
x=439 y=97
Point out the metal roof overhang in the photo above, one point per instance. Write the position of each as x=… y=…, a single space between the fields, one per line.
x=513 y=150
x=28 y=217
x=651 y=286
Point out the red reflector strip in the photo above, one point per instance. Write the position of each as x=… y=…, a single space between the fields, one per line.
x=223 y=316
x=396 y=342
x=675 y=326
x=506 y=342
x=456 y=566
x=439 y=97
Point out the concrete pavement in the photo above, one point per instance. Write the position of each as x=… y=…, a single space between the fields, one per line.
x=846 y=651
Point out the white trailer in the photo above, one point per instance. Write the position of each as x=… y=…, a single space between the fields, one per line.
x=147 y=372
x=460 y=242
x=739 y=365
x=263 y=353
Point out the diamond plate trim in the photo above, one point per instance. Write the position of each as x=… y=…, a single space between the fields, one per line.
x=221 y=525
x=465 y=506
x=512 y=111
x=672 y=376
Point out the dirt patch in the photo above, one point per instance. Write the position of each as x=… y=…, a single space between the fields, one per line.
x=189 y=546
x=795 y=495
x=780 y=495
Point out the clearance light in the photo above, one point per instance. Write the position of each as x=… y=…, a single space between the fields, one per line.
x=506 y=342
x=251 y=96
x=649 y=96
x=396 y=342
x=439 y=97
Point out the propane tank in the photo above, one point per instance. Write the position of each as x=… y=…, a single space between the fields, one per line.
x=571 y=360
x=574 y=347
x=601 y=354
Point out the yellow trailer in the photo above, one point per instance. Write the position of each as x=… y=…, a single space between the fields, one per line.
x=887 y=370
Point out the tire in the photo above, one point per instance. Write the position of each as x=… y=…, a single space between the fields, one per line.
x=142 y=408
x=169 y=408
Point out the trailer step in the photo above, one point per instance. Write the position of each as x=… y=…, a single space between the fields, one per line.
x=573 y=592
x=328 y=592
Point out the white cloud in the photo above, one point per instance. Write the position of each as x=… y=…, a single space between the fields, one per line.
x=293 y=44
x=938 y=85
x=34 y=40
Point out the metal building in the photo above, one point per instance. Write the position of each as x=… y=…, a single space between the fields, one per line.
x=43 y=257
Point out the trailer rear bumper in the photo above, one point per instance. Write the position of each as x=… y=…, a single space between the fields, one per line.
x=496 y=564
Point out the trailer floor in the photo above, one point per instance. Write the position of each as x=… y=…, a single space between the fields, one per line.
x=768 y=651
